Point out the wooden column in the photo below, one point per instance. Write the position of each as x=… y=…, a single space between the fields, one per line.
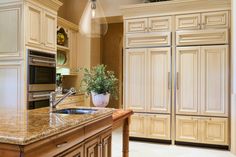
x=126 y=137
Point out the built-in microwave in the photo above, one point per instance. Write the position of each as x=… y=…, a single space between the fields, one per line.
x=41 y=71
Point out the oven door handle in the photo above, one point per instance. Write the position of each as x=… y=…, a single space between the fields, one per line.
x=41 y=95
x=42 y=61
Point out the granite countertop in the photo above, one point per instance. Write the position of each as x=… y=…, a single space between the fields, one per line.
x=23 y=128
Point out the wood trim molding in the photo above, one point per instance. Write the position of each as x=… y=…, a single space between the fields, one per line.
x=173 y=7
x=65 y=23
x=52 y=4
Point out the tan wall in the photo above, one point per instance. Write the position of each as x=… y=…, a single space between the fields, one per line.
x=111 y=55
x=233 y=102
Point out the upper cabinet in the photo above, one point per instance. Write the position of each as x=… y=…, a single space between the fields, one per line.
x=202 y=21
x=153 y=24
x=40 y=27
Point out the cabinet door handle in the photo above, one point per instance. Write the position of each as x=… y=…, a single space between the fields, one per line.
x=169 y=81
x=177 y=80
x=62 y=144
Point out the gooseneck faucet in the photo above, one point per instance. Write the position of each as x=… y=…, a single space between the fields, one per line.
x=54 y=102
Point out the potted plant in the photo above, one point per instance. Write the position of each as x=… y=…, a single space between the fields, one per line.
x=100 y=83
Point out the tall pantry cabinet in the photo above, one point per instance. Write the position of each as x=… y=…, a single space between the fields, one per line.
x=176 y=70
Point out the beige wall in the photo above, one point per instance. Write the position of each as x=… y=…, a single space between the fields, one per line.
x=233 y=102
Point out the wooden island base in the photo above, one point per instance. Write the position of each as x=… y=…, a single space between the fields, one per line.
x=121 y=118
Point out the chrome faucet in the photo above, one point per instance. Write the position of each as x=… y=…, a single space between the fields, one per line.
x=54 y=102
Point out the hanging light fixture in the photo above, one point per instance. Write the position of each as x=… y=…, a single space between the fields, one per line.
x=93 y=22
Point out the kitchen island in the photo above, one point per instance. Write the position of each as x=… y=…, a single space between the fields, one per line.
x=39 y=132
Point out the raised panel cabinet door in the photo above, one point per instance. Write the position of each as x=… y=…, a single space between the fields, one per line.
x=187 y=129
x=75 y=152
x=159 y=24
x=11 y=32
x=188 y=22
x=34 y=24
x=159 y=126
x=135 y=79
x=138 y=125
x=159 y=80
x=215 y=131
x=214 y=80
x=215 y=20
x=187 y=80
x=136 y=25
x=106 y=144
x=92 y=148
x=12 y=85
x=50 y=30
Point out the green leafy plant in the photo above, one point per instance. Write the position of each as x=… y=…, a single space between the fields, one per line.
x=99 y=80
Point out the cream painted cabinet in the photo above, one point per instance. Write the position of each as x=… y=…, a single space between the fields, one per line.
x=202 y=130
x=135 y=83
x=73 y=51
x=188 y=21
x=40 y=27
x=187 y=129
x=138 y=125
x=50 y=23
x=207 y=20
x=158 y=126
x=159 y=80
x=152 y=126
x=187 y=80
x=214 y=80
x=11 y=86
x=152 y=24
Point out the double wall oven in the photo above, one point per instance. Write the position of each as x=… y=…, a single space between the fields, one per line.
x=41 y=78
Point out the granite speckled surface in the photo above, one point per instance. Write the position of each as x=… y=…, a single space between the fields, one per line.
x=23 y=128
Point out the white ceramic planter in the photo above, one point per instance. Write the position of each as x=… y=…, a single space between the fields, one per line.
x=100 y=100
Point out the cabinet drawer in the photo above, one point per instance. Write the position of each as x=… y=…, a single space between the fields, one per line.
x=187 y=129
x=190 y=22
x=159 y=24
x=215 y=20
x=159 y=126
x=148 y=40
x=202 y=37
x=215 y=131
x=136 y=25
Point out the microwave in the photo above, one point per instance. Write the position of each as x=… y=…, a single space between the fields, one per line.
x=41 y=71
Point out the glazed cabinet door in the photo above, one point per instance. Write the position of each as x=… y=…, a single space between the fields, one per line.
x=159 y=24
x=106 y=144
x=50 y=25
x=34 y=25
x=136 y=25
x=138 y=125
x=73 y=51
x=187 y=129
x=187 y=80
x=215 y=131
x=135 y=77
x=158 y=126
x=214 y=80
x=92 y=148
x=188 y=22
x=215 y=20
x=74 y=152
x=159 y=80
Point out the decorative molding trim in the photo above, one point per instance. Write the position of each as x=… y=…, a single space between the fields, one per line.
x=52 y=4
x=173 y=7
x=65 y=23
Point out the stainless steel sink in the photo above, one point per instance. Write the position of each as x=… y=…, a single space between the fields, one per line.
x=75 y=111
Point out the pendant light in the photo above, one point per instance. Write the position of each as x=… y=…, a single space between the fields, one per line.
x=93 y=22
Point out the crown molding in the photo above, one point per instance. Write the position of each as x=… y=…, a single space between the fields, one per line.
x=52 y=4
x=174 y=7
x=65 y=23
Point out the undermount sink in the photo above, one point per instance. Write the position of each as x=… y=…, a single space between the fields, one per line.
x=75 y=111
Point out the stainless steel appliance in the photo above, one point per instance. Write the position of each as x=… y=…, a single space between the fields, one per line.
x=41 y=78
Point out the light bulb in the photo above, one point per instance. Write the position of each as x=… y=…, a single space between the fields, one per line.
x=93 y=22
